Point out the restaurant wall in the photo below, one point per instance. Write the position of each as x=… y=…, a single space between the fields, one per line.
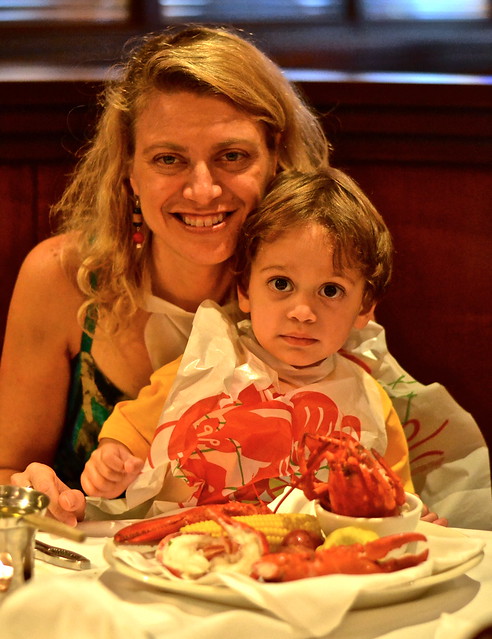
x=422 y=152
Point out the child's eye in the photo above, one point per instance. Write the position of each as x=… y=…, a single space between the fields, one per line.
x=280 y=284
x=332 y=291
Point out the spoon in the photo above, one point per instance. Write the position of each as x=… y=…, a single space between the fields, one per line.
x=47 y=524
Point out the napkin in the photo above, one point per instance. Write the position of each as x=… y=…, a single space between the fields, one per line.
x=447 y=552
x=313 y=607
x=461 y=628
x=75 y=608
x=317 y=605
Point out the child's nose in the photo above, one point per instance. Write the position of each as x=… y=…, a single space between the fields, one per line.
x=302 y=311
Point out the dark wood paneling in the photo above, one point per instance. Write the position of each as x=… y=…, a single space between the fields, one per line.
x=17 y=195
x=45 y=121
x=51 y=181
x=438 y=312
x=27 y=192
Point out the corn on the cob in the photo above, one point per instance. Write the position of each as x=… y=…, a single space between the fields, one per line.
x=274 y=526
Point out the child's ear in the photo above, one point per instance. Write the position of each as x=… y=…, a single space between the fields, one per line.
x=243 y=300
x=365 y=314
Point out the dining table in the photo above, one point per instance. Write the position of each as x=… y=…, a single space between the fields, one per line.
x=107 y=600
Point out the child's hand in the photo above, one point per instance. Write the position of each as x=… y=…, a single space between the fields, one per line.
x=432 y=517
x=110 y=470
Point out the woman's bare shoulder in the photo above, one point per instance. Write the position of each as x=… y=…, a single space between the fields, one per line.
x=46 y=291
x=49 y=255
x=51 y=266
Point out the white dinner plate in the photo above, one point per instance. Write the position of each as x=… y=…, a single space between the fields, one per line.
x=365 y=599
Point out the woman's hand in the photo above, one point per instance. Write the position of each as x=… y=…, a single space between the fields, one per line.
x=432 y=518
x=110 y=470
x=66 y=504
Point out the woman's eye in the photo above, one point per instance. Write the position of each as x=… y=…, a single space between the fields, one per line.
x=235 y=161
x=167 y=159
x=233 y=156
x=280 y=284
x=332 y=291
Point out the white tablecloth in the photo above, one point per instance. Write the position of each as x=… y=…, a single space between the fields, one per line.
x=101 y=602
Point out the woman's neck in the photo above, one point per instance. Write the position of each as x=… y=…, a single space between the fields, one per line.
x=188 y=285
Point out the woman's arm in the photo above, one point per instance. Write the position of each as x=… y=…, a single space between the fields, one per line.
x=42 y=336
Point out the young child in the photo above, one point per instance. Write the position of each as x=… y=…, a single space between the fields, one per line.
x=312 y=262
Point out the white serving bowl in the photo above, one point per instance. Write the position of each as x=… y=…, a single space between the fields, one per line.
x=405 y=522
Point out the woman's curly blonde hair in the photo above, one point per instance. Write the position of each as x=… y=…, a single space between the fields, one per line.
x=96 y=208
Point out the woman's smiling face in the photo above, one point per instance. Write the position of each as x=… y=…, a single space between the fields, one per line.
x=200 y=166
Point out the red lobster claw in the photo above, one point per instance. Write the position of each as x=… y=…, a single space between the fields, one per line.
x=354 y=559
x=151 y=531
x=359 y=484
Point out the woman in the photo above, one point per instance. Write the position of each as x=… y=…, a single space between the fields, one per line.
x=189 y=137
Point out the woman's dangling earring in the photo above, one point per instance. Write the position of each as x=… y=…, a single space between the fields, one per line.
x=138 y=236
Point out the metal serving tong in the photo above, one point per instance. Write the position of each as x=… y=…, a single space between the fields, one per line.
x=46 y=524
x=60 y=556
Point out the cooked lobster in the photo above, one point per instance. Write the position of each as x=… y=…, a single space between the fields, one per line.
x=354 y=559
x=191 y=555
x=151 y=531
x=360 y=483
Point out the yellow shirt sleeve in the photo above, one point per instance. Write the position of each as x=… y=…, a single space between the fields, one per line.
x=134 y=421
x=397 y=455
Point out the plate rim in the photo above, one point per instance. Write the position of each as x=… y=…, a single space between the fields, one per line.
x=215 y=593
x=412 y=590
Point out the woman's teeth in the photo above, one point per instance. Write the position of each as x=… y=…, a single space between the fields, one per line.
x=203 y=220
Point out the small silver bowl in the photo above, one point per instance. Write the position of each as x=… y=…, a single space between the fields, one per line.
x=18 y=500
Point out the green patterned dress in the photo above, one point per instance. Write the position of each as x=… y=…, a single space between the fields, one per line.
x=91 y=400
